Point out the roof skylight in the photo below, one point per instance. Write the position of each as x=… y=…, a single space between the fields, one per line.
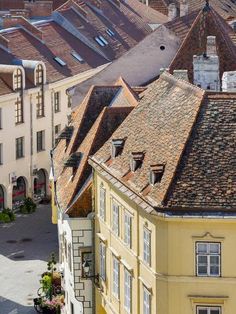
x=77 y=56
x=59 y=61
x=101 y=41
x=110 y=32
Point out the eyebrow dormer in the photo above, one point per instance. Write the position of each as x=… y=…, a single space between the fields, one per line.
x=117 y=147
x=156 y=173
x=136 y=160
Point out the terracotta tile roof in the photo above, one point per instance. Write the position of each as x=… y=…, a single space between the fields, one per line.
x=206 y=175
x=225 y=8
x=207 y=23
x=94 y=122
x=4 y=88
x=181 y=25
x=57 y=43
x=191 y=134
x=128 y=27
x=147 y=13
x=159 y=126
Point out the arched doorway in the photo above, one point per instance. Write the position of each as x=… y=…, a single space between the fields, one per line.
x=2 y=198
x=40 y=187
x=19 y=192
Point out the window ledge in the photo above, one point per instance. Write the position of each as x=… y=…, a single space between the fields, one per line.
x=20 y=157
x=41 y=150
x=19 y=123
x=40 y=117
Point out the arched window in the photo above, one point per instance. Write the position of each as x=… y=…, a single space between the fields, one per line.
x=39 y=74
x=1 y=198
x=18 y=79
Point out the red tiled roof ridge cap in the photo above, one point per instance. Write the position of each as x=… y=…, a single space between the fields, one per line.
x=182 y=83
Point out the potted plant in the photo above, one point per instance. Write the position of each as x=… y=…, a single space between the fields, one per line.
x=28 y=206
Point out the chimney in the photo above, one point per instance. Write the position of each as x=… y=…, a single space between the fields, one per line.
x=172 y=11
x=211 y=46
x=184 y=7
x=181 y=74
x=117 y=147
x=136 y=160
x=229 y=81
x=156 y=173
x=206 y=68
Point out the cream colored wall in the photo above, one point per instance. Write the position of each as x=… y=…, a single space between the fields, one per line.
x=171 y=278
x=10 y=131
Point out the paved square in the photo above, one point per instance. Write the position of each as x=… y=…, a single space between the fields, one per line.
x=25 y=246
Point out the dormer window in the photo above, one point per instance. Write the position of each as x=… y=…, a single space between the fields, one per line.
x=18 y=79
x=117 y=146
x=156 y=173
x=39 y=74
x=136 y=160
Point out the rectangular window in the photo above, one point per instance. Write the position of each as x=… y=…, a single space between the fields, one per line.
x=128 y=292
x=60 y=61
x=110 y=32
x=127 y=229
x=19 y=110
x=19 y=147
x=87 y=257
x=102 y=271
x=57 y=129
x=1 y=154
x=208 y=310
x=102 y=202
x=72 y=311
x=56 y=102
x=147 y=246
x=115 y=217
x=116 y=277
x=208 y=259
x=146 y=301
x=40 y=141
x=101 y=41
x=40 y=104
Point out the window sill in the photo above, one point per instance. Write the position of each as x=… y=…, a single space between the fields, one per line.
x=40 y=117
x=57 y=111
x=41 y=150
x=20 y=157
x=19 y=123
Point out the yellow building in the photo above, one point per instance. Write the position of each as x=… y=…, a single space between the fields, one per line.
x=164 y=189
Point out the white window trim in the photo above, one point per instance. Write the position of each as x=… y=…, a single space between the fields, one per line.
x=102 y=268
x=208 y=259
x=128 y=287
x=116 y=275
x=147 y=260
x=147 y=292
x=129 y=236
x=116 y=226
x=102 y=202
x=208 y=308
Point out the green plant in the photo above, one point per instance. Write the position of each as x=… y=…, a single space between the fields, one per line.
x=4 y=218
x=28 y=207
x=46 y=283
x=10 y=213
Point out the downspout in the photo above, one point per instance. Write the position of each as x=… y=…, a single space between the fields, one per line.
x=52 y=121
x=93 y=242
x=31 y=146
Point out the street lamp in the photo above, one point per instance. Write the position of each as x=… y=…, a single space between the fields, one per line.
x=87 y=270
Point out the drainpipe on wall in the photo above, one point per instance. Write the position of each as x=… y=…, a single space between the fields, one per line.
x=93 y=243
x=52 y=121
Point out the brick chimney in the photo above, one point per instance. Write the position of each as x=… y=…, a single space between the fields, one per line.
x=13 y=21
x=206 y=68
x=184 y=6
x=229 y=81
x=172 y=11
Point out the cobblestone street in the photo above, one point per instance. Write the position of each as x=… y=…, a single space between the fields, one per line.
x=25 y=246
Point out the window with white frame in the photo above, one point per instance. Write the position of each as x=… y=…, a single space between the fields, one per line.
x=146 y=301
x=128 y=291
x=208 y=258
x=102 y=211
x=115 y=217
x=40 y=105
x=18 y=79
x=39 y=74
x=102 y=270
x=208 y=310
x=127 y=228
x=57 y=102
x=19 y=110
x=147 y=246
x=116 y=277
